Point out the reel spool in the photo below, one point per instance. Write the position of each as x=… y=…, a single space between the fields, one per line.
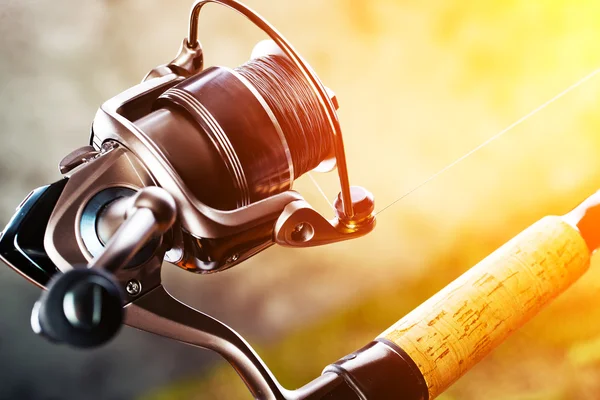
x=192 y=166
x=228 y=145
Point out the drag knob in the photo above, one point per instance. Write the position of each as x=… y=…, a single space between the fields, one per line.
x=83 y=308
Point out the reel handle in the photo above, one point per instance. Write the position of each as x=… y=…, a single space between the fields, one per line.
x=456 y=328
x=151 y=212
x=84 y=306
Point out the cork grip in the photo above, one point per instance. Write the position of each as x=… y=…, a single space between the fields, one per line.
x=461 y=324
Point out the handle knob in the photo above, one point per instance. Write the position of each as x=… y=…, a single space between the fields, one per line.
x=82 y=307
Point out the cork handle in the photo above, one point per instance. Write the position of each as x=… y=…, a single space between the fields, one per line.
x=456 y=328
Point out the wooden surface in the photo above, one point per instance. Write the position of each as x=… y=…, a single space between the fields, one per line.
x=461 y=324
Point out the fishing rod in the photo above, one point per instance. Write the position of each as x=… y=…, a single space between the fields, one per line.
x=194 y=167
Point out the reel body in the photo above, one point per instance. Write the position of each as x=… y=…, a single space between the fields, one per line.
x=195 y=167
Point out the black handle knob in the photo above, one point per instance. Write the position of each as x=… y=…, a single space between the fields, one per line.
x=82 y=307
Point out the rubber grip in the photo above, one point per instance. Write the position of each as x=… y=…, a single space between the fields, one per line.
x=461 y=324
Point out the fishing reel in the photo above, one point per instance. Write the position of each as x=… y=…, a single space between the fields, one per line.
x=194 y=166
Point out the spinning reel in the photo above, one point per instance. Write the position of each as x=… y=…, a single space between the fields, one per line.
x=195 y=167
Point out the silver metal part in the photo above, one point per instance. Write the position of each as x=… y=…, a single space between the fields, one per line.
x=111 y=216
x=189 y=61
x=69 y=233
x=133 y=234
x=133 y=287
x=160 y=313
x=102 y=216
x=34 y=319
x=152 y=212
x=301 y=226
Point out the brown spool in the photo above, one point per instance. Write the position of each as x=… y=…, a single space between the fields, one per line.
x=239 y=136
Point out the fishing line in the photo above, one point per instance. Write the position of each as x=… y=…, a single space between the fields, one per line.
x=295 y=106
x=493 y=138
x=314 y=181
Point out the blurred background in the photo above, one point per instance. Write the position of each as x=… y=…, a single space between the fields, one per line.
x=420 y=83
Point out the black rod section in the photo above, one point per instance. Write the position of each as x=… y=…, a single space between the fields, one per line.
x=380 y=370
